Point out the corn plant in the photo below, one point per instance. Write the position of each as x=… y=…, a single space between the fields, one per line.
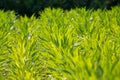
x=6 y=21
x=25 y=59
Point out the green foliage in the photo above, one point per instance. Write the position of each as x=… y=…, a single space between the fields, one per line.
x=80 y=44
x=20 y=57
x=60 y=45
x=6 y=20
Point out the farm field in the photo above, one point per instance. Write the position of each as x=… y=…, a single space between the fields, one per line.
x=60 y=45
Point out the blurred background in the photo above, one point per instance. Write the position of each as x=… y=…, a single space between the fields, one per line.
x=29 y=7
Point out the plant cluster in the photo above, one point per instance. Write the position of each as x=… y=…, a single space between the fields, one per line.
x=60 y=45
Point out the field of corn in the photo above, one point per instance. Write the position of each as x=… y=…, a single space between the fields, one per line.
x=60 y=45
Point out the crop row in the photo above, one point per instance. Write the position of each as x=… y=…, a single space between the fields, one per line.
x=60 y=45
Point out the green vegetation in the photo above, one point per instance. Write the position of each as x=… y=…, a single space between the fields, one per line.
x=60 y=45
